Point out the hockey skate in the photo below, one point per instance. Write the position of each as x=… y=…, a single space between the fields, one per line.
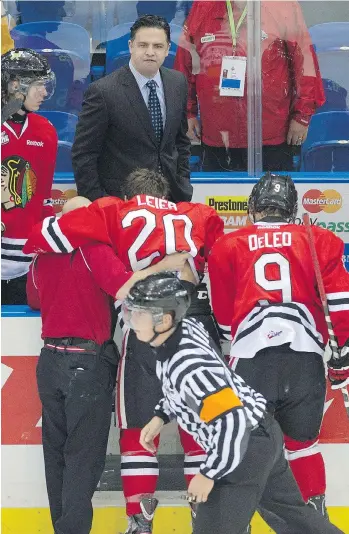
x=193 y=511
x=143 y=523
x=318 y=502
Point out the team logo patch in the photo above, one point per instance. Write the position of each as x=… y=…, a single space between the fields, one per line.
x=18 y=183
x=4 y=138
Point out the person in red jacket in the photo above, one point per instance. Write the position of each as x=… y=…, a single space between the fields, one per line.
x=76 y=368
x=212 y=54
x=141 y=231
x=29 y=147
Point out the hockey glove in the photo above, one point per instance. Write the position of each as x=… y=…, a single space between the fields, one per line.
x=338 y=369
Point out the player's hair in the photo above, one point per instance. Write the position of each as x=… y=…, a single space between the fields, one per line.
x=270 y=211
x=151 y=21
x=145 y=182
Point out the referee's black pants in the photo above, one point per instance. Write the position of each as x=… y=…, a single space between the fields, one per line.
x=262 y=480
x=76 y=395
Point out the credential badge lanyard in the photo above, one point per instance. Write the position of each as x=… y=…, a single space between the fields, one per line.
x=235 y=30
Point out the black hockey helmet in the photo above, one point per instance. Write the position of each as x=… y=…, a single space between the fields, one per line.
x=158 y=294
x=274 y=191
x=27 y=67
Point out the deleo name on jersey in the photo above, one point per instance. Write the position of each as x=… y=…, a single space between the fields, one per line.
x=270 y=240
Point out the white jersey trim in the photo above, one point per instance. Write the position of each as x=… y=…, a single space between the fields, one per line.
x=338 y=301
x=24 y=127
x=258 y=331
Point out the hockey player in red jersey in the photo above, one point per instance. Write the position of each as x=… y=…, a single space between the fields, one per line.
x=29 y=146
x=265 y=298
x=141 y=231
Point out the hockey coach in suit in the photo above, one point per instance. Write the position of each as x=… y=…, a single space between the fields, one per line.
x=135 y=117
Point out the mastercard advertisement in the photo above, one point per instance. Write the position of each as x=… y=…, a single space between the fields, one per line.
x=59 y=198
x=328 y=201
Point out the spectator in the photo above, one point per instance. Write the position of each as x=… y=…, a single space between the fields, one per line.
x=135 y=117
x=29 y=147
x=76 y=369
x=214 y=32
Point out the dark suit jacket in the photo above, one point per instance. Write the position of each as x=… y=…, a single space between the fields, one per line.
x=114 y=136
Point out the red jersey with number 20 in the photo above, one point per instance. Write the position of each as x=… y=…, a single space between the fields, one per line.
x=264 y=290
x=141 y=230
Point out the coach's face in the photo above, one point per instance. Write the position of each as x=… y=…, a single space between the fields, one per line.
x=148 y=50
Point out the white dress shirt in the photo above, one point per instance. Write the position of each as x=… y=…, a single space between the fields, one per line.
x=142 y=84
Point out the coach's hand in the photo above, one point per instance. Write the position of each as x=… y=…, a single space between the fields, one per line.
x=338 y=369
x=149 y=433
x=199 y=488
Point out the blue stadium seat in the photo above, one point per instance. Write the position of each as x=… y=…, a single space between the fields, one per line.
x=330 y=36
x=117 y=53
x=33 y=11
x=67 y=48
x=195 y=164
x=65 y=124
x=174 y=12
x=63 y=162
x=336 y=97
x=153 y=7
x=331 y=41
x=326 y=148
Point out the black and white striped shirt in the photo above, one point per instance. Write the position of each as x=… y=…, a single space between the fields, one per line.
x=208 y=399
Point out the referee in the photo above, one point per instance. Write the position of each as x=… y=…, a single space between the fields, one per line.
x=245 y=466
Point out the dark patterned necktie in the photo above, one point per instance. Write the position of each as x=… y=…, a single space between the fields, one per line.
x=155 y=110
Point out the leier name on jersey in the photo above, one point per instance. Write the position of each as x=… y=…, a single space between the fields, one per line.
x=154 y=202
x=270 y=240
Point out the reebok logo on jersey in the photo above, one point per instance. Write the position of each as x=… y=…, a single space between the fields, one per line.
x=35 y=143
x=4 y=138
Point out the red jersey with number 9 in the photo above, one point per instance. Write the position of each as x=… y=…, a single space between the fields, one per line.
x=264 y=290
x=141 y=230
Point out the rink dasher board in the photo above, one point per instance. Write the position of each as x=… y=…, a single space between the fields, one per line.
x=23 y=484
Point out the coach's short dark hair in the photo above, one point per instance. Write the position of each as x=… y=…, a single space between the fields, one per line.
x=146 y=182
x=151 y=21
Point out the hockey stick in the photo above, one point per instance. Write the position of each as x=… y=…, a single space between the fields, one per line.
x=11 y=108
x=332 y=338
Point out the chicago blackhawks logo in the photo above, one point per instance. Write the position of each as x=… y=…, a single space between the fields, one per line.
x=18 y=183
